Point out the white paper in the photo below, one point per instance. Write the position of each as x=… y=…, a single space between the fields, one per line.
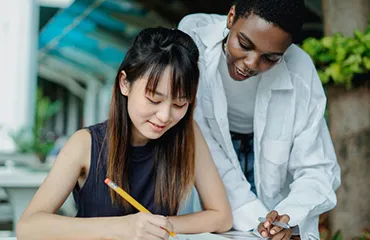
x=202 y=236
x=226 y=236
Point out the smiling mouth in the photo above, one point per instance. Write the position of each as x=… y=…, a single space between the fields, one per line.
x=241 y=72
x=156 y=125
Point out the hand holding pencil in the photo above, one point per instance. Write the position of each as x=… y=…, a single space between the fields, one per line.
x=137 y=205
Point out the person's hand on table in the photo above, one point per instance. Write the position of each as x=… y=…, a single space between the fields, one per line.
x=267 y=230
x=146 y=226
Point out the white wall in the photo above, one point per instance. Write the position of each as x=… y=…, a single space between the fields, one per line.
x=18 y=47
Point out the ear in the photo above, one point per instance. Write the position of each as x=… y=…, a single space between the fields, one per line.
x=231 y=17
x=123 y=83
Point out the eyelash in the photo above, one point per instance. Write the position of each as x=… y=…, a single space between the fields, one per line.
x=244 y=46
x=270 y=60
x=151 y=101
x=176 y=106
x=179 y=107
x=247 y=48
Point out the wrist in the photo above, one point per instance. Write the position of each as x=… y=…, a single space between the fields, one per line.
x=118 y=228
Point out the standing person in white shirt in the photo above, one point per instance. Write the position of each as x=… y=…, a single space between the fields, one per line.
x=261 y=109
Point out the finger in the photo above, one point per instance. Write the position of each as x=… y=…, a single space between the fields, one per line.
x=275 y=230
x=283 y=235
x=169 y=225
x=284 y=219
x=279 y=235
x=157 y=220
x=157 y=232
x=288 y=234
x=271 y=216
x=262 y=230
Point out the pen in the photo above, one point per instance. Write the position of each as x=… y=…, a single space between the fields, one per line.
x=279 y=224
x=132 y=201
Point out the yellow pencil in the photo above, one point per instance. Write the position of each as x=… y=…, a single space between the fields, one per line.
x=132 y=201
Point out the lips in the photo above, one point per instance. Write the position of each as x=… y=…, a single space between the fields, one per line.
x=156 y=127
x=241 y=72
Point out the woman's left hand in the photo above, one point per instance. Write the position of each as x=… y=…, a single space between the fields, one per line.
x=267 y=230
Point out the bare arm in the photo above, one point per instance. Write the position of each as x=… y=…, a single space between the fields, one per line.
x=216 y=216
x=39 y=220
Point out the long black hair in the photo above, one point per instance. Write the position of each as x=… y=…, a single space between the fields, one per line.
x=152 y=51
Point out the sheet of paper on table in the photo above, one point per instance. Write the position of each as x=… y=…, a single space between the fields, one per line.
x=202 y=236
x=225 y=236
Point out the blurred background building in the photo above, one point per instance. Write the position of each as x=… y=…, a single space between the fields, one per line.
x=58 y=60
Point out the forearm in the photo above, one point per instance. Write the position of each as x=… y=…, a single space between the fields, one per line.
x=204 y=221
x=48 y=226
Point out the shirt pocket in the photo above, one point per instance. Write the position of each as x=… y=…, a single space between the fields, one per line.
x=274 y=165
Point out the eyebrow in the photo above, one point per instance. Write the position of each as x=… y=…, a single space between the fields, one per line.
x=253 y=45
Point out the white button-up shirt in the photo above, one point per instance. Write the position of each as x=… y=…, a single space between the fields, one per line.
x=295 y=167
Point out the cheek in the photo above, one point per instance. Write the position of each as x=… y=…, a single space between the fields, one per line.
x=265 y=67
x=234 y=50
x=177 y=115
x=138 y=109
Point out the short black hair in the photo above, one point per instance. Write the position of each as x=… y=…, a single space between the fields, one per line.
x=286 y=14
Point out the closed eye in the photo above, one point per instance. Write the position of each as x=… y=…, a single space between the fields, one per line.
x=152 y=101
x=180 y=106
x=244 y=46
x=272 y=58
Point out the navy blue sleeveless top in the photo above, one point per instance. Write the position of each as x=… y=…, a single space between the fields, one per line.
x=93 y=199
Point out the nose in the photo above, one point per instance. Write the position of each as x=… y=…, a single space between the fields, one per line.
x=164 y=113
x=251 y=61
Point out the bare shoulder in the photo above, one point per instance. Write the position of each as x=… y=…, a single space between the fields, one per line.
x=202 y=152
x=197 y=131
x=77 y=148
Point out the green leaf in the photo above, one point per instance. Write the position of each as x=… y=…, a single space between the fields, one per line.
x=358 y=34
x=324 y=77
x=341 y=54
x=335 y=72
x=338 y=236
x=327 y=42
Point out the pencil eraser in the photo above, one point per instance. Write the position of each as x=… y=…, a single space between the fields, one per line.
x=107 y=180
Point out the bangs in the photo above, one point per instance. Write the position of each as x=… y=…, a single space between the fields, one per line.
x=183 y=79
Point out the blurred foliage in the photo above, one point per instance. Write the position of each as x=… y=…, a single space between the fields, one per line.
x=325 y=234
x=339 y=58
x=365 y=235
x=37 y=139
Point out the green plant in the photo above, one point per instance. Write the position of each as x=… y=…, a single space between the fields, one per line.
x=340 y=58
x=337 y=236
x=365 y=235
x=37 y=139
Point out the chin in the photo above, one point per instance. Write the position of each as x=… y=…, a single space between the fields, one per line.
x=153 y=136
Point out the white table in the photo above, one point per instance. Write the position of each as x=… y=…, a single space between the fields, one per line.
x=230 y=235
x=20 y=185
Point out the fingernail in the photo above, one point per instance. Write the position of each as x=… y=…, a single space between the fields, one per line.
x=272 y=232
x=266 y=224
x=264 y=234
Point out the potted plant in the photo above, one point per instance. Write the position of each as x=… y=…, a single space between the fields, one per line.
x=340 y=60
x=343 y=65
x=38 y=140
